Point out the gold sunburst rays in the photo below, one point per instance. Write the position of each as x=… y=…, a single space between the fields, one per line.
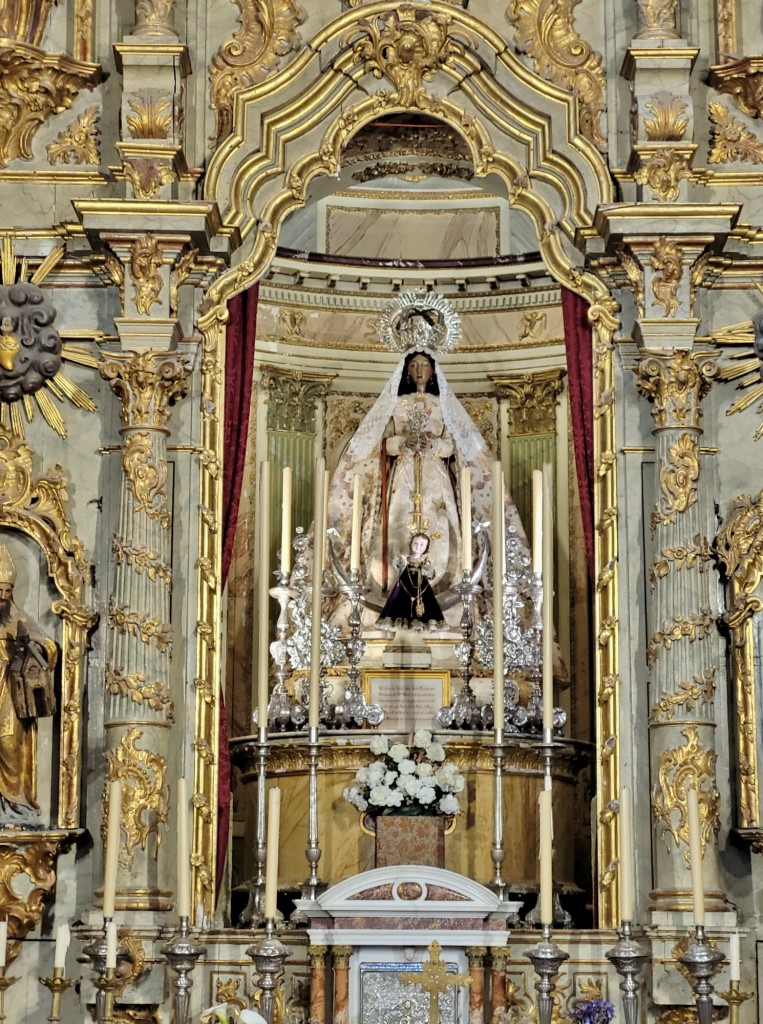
x=57 y=391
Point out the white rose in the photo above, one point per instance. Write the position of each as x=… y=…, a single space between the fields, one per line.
x=379 y=745
x=398 y=751
x=412 y=784
x=390 y=777
x=436 y=752
x=406 y=766
x=395 y=798
x=444 y=776
x=448 y=804
x=362 y=775
x=424 y=770
x=422 y=738
x=457 y=785
x=426 y=795
x=378 y=796
x=376 y=772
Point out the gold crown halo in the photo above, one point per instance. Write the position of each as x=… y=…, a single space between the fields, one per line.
x=419 y=321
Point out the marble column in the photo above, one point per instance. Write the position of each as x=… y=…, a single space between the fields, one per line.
x=139 y=709
x=316 y=956
x=475 y=956
x=341 y=956
x=500 y=955
x=682 y=637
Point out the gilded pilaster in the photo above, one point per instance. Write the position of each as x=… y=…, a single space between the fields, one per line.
x=139 y=708
x=680 y=648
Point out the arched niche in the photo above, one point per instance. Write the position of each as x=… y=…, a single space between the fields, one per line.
x=522 y=135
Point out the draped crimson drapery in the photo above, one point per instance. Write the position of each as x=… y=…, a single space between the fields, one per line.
x=578 y=344
x=239 y=366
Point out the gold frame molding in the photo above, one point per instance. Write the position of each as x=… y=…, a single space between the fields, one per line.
x=558 y=179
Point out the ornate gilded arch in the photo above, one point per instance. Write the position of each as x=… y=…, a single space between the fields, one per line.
x=37 y=507
x=291 y=128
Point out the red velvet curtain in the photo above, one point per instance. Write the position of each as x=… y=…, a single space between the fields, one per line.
x=239 y=367
x=578 y=342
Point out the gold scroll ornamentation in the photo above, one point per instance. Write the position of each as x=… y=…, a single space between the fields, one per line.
x=147 y=175
x=689 y=693
x=34 y=85
x=532 y=400
x=179 y=275
x=32 y=865
x=135 y=686
x=678 y=769
x=659 y=19
x=292 y=396
x=79 y=143
x=663 y=172
x=667 y=123
x=154 y=17
x=666 y=260
x=545 y=29
x=679 y=480
x=147 y=384
x=145 y=261
x=407 y=47
x=676 y=386
x=268 y=32
x=742 y=79
x=635 y=276
x=142 y=560
x=227 y=991
x=145 y=798
x=146 y=478
x=731 y=139
x=151 y=116
x=140 y=624
x=725 y=19
x=682 y=556
x=695 y=626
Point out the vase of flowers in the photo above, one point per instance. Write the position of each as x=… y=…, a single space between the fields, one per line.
x=408 y=796
x=592 y=1011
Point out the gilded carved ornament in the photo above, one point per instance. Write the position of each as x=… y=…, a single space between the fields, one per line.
x=533 y=398
x=147 y=384
x=679 y=480
x=676 y=385
x=135 y=685
x=680 y=769
x=680 y=556
x=154 y=18
x=142 y=559
x=268 y=31
x=407 y=47
x=731 y=139
x=635 y=277
x=663 y=172
x=145 y=264
x=140 y=624
x=742 y=80
x=659 y=18
x=692 y=627
x=147 y=175
x=145 y=797
x=179 y=275
x=667 y=123
x=690 y=693
x=152 y=114
x=666 y=260
x=30 y=868
x=146 y=477
x=292 y=398
x=80 y=142
x=545 y=30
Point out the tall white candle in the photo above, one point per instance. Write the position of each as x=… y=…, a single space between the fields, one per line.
x=3 y=942
x=263 y=630
x=548 y=600
x=498 y=559
x=735 y=972
x=626 y=855
x=537 y=521
x=325 y=519
x=63 y=935
x=695 y=852
x=111 y=945
x=546 y=857
x=466 y=519
x=113 y=825
x=184 y=851
x=286 y=520
x=357 y=506
x=271 y=857
x=319 y=528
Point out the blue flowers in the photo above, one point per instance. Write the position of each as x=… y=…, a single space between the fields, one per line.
x=593 y=1011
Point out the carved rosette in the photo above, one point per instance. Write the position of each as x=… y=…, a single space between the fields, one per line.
x=681 y=646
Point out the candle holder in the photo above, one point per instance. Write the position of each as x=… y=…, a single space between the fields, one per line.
x=56 y=985
x=252 y=915
x=182 y=953
x=106 y=980
x=354 y=711
x=313 y=850
x=734 y=997
x=5 y=983
x=268 y=957
x=498 y=851
x=702 y=961
x=546 y=959
x=628 y=958
x=280 y=706
x=464 y=712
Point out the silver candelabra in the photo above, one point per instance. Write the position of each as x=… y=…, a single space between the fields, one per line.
x=181 y=953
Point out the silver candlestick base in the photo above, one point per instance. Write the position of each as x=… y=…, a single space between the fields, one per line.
x=106 y=979
x=546 y=959
x=182 y=953
x=268 y=957
x=702 y=961
x=628 y=958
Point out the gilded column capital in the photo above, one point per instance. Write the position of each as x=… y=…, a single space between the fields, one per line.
x=341 y=956
x=533 y=398
x=317 y=955
x=475 y=956
x=292 y=395
x=500 y=956
x=676 y=383
x=148 y=384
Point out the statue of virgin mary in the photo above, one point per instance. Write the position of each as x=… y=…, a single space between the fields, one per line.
x=408 y=452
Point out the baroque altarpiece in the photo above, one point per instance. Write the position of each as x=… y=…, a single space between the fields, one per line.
x=214 y=217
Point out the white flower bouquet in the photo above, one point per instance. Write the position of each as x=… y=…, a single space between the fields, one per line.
x=407 y=779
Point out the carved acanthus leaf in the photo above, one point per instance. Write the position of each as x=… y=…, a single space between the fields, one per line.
x=268 y=31
x=667 y=123
x=663 y=172
x=79 y=143
x=666 y=260
x=546 y=32
x=731 y=139
x=151 y=116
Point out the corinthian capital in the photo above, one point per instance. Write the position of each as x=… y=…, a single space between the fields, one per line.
x=148 y=384
x=676 y=383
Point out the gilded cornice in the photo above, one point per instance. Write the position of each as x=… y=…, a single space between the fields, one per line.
x=741 y=79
